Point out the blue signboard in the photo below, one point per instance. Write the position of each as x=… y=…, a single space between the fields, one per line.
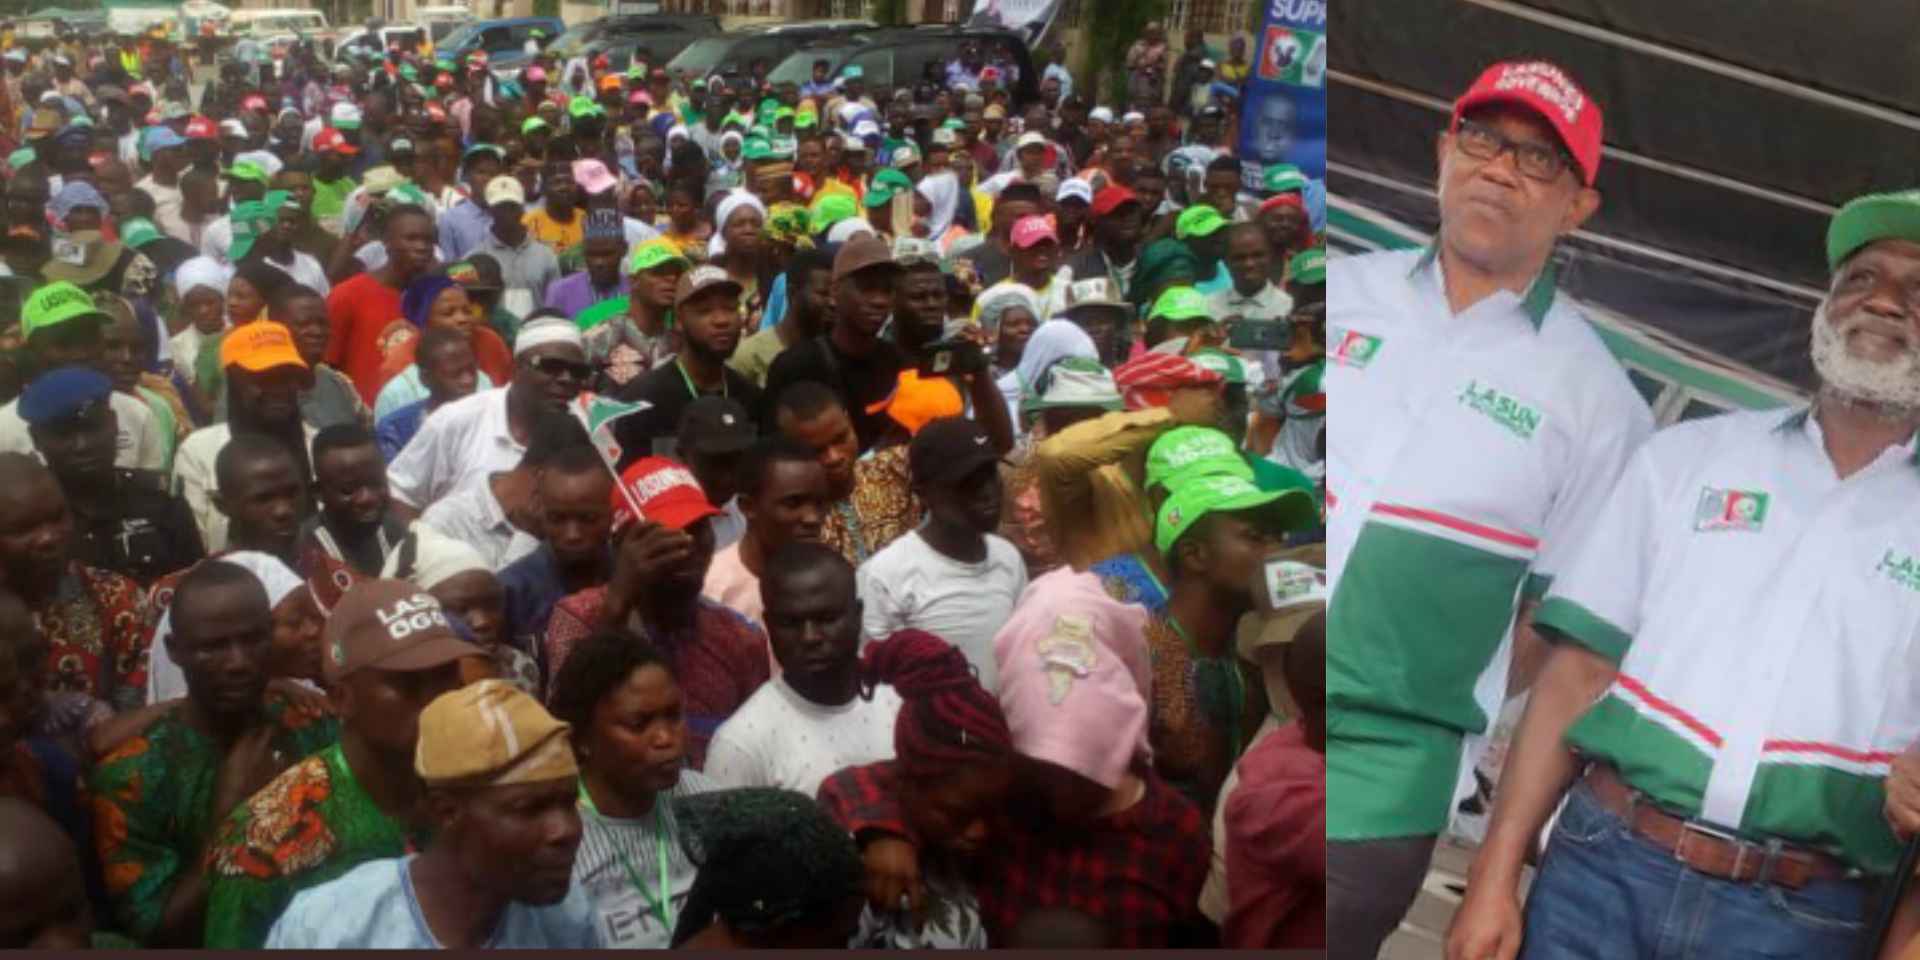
x=1284 y=118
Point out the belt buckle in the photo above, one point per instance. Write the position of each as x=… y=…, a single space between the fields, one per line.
x=1691 y=827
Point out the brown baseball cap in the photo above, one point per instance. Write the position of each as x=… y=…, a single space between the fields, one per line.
x=864 y=252
x=701 y=279
x=390 y=625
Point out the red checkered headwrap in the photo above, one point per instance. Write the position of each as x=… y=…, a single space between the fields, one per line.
x=1150 y=379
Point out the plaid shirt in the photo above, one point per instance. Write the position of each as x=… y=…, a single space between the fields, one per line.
x=1138 y=872
x=719 y=662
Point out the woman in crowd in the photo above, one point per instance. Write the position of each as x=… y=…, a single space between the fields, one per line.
x=434 y=300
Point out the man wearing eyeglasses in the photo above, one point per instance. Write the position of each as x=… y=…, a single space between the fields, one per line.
x=1477 y=424
x=469 y=439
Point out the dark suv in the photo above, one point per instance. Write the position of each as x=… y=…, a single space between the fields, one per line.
x=732 y=54
x=663 y=34
x=899 y=57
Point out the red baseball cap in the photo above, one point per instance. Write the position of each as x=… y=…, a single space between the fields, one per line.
x=1548 y=91
x=1032 y=229
x=201 y=128
x=254 y=101
x=330 y=140
x=667 y=493
x=1110 y=199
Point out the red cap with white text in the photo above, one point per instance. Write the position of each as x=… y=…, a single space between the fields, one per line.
x=1548 y=91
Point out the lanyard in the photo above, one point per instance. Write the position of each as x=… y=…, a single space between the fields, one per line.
x=1239 y=698
x=662 y=906
x=851 y=518
x=693 y=391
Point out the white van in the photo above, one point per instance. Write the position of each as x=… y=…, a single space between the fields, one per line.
x=280 y=26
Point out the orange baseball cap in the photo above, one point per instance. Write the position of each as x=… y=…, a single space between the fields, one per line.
x=916 y=402
x=260 y=346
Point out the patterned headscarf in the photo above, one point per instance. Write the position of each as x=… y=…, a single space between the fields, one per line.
x=787 y=223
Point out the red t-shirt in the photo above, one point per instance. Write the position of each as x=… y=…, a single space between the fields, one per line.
x=1277 y=846
x=360 y=310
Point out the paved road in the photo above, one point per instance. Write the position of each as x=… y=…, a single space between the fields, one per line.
x=1422 y=934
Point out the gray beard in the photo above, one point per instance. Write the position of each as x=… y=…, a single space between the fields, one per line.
x=1890 y=388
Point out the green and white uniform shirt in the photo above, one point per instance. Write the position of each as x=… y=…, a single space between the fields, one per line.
x=1763 y=613
x=1467 y=456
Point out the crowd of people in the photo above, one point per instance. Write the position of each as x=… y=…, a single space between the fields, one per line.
x=568 y=507
x=1712 y=624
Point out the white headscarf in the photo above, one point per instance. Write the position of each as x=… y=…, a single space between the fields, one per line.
x=848 y=229
x=199 y=272
x=942 y=191
x=730 y=205
x=165 y=681
x=437 y=558
x=1052 y=342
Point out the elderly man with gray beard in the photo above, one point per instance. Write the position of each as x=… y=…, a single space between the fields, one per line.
x=1733 y=665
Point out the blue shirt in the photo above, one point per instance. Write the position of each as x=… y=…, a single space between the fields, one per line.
x=374 y=906
x=463 y=227
x=533 y=586
x=396 y=428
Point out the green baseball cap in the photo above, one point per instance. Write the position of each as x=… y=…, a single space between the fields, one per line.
x=55 y=304
x=767 y=108
x=1876 y=216
x=1308 y=267
x=249 y=171
x=443 y=65
x=1179 y=304
x=1184 y=453
x=805 y=120
x=1225 y=364
x=756 y=148
x=1199 y=220
x=657 y=252
x=532 y=124
x=275 y=199
x=1284 y=178
x=251 y=221
x=831 y=208
x=1290 y=508
x=498 y=152
x=137 y=232
x=782 y=113
x=407 y=72
x=853 y=73
x=585 y=107
x=21 y=157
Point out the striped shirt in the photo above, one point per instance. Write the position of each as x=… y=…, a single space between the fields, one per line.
x=615 y=854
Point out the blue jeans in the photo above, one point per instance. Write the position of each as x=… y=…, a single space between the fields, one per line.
x=1604 y=893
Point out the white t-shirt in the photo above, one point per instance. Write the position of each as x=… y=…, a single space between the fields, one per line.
x=909 y=584
x=779 y=738
x=306 y=271
x=463 y=441
x=138 y=445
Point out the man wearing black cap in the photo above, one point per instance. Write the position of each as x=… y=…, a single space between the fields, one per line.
x=715 y=433
x=706 y=307
x=124 y=520
x=389 y=651
x=851 y=359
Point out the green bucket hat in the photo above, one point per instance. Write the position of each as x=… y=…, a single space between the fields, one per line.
x=1308 y=268
x=887 y=184
x=251 y=221
x=657 y=252
x=137 y=232
x=1199 y=220
x=1179 y=304
x=1190 y=501
x=1876 y=216
x=831 y=208
x=1284 y=178
x=1184 y=453
x=55 y=304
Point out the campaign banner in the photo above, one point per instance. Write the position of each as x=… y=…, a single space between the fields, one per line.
x=1283 y=118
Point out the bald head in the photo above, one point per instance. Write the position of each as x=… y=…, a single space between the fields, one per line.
x=39 y=882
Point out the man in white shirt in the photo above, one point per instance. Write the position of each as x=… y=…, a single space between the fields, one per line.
x=62 y=327
x=810 y=721
x=951 y=577
x=168 y=150
x=498 y=514
x=474 y=437
x=1253 y=297
x=265 y=374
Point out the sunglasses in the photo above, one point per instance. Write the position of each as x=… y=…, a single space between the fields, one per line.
x=560 y=368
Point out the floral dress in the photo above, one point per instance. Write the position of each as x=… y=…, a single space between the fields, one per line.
x=93 y=626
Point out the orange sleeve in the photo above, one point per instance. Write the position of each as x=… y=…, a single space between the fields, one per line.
x=491 y=355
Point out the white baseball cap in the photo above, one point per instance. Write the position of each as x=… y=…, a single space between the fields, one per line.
x=1032 y=138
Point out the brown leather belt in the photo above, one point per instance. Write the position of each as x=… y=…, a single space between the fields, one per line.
x=1712 y=850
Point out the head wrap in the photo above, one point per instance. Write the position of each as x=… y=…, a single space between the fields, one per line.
x=416 y=302
x=1052 y=342
x=201 y=272
x=946 y=717
x=996 y=300
x=942 y=191
x=767 y=859
x=539 y=333
x=848 y=229
x=430 y=558
x=1073 y=670
x=166 y=680
x=1162 y=262
x=787 y=223
x=730 y=205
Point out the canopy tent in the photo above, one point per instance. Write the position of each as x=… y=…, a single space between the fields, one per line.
x=1730 y=141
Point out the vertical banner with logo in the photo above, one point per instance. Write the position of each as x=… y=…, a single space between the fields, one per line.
x=1284 y=118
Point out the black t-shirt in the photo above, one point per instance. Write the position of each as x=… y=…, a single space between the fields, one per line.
x=860 y=381
x=144 y=534
x=669 y=392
